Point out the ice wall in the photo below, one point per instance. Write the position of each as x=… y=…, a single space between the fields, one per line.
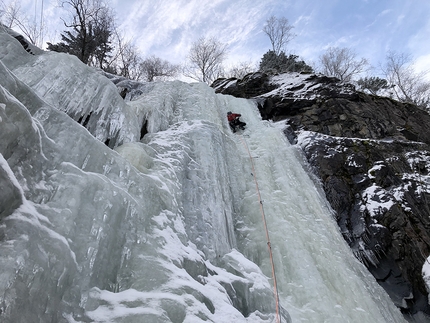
x=87 y=97
x=166 y=229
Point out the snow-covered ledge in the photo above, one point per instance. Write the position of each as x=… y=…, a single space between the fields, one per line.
x=426 y=273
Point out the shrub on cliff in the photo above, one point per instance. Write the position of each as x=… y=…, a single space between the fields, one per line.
x=373 y=84
x=272 y=63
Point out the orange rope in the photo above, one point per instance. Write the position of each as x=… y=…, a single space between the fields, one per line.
x=275 y=286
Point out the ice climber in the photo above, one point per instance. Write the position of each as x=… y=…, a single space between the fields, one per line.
x=234 y=121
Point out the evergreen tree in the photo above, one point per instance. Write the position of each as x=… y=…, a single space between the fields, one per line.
x=272 y=63
x=373 y=84
x=90 y=31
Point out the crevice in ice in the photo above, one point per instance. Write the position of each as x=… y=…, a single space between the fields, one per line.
x=83 y=120
x=11 y=196
x=144 y=129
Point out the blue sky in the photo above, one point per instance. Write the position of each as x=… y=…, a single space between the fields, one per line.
x=167 y=28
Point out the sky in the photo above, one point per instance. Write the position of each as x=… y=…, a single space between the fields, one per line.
x=167 y=28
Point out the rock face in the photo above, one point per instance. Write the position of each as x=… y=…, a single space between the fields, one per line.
x=372 y=155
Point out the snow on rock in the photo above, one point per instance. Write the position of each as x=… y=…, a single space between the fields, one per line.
x=376 y=200
x=379 y=189
x=292 y=84
x=426 y=273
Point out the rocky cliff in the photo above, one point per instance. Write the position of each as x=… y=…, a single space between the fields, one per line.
x=372 y=155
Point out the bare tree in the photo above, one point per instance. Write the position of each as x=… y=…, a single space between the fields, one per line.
x=240 y=70
x=206 y=57
x=279 y=32
x=10 y=13
x=128 y=60
x=156 y=68
x=409 y=86
x=12 y=16
x=342 y=63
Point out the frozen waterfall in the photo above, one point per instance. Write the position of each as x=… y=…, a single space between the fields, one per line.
x=165 y=229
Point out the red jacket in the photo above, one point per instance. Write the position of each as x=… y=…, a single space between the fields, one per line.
x=233 y=116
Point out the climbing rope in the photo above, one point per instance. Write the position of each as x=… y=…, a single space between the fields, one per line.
x=269 y=246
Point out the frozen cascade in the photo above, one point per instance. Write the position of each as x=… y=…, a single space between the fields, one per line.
x=167 y=229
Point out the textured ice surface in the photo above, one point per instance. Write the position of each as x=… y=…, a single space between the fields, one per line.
x=167 y=229
x=69 y=86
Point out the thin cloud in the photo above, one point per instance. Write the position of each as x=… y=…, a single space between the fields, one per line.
x=176 y=24
x=167 y=28
x=378 y=18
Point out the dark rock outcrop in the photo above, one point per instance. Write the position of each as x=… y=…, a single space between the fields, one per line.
x=372 y=155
